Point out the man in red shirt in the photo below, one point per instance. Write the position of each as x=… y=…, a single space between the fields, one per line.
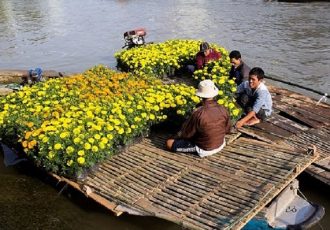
x=204 y=131
x=205 y=54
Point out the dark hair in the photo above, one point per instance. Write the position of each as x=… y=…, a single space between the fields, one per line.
x=235 y=54
x=204 y=46
x=257 y=71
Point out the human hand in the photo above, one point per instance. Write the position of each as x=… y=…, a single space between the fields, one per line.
x=239 y=124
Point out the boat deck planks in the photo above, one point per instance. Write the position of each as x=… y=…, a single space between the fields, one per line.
x=222 y=191
x=225 y=190
x=305 y=123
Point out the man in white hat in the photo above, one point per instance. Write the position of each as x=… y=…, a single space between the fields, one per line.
x=204 y=131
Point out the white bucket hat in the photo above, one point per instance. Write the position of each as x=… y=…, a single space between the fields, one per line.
x=207 y=89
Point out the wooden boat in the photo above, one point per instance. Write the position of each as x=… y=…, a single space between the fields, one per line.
x=223 y=191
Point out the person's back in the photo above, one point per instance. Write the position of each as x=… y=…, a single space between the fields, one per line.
x=204 y=131
x=212 y=126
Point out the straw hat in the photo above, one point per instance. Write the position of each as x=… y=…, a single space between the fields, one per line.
x=207 y=89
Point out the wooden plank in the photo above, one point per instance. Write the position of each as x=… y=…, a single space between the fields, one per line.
x=259 y=134
x=286 y=123
x=268 y=127
x=304 y=103
x=302 y=116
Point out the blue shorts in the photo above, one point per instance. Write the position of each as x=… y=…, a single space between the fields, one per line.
x=185 y=146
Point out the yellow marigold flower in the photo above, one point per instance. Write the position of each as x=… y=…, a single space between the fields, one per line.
x=28 y=135
x=221 y=101
x=76 y=131
x=152 y=116
x=98 y=127
x=102 y=145
x=64 y=135
x=81 y=153
x=87 y=146
x=24 y=144
x=45 y=139
x=232 y=82
x=104 y=140
x=121 y=131
x=231 y=105
x=128 y=130
x=137 y=119
x=130 y=110
x=69 y=163
x=109 y=127
x=156 y=108
x=81 y=160
x=51 y=155
x=69 y=150
x=30 y=124
x=95 y=149
x=233 y=89
x=90 y=114
x=221 y=81
x=57 y=146
x=220 y=92
x=97 y=136
x=91 y=140
x=77 y=140
x=235 y=112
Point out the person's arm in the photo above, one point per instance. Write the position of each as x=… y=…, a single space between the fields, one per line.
x=199 y=61
x=218 y=54
x=243 y=121
x=189 y=127
x=260 y=101
x=245 y=72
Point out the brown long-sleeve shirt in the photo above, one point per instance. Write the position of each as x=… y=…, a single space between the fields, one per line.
x=207 y=125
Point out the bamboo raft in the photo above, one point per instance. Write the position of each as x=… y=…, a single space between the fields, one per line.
x=298 y=121
x=223 y=191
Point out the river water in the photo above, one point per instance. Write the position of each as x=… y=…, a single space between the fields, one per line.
x=290 y=41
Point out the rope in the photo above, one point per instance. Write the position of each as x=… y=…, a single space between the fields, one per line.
x=300 y=192
x=325 y=95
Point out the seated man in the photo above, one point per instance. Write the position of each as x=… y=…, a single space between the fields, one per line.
x=204 y=131
x=239 y=70
x=254 y=98
x=205 y=54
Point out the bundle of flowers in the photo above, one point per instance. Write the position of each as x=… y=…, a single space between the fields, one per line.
x=68 y=125
x=218 y=71
x=161 y=58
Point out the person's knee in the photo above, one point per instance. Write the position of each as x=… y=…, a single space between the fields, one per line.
x=169 y=144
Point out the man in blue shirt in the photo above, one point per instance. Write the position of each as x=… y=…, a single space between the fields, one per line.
x=254 y=98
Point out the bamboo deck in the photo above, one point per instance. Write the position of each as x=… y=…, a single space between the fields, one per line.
x=300 y=122
x=223 y=191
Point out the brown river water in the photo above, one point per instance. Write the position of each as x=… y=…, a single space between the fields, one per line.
x=290 y=41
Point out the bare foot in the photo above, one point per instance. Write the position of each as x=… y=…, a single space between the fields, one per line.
x=253 y=121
